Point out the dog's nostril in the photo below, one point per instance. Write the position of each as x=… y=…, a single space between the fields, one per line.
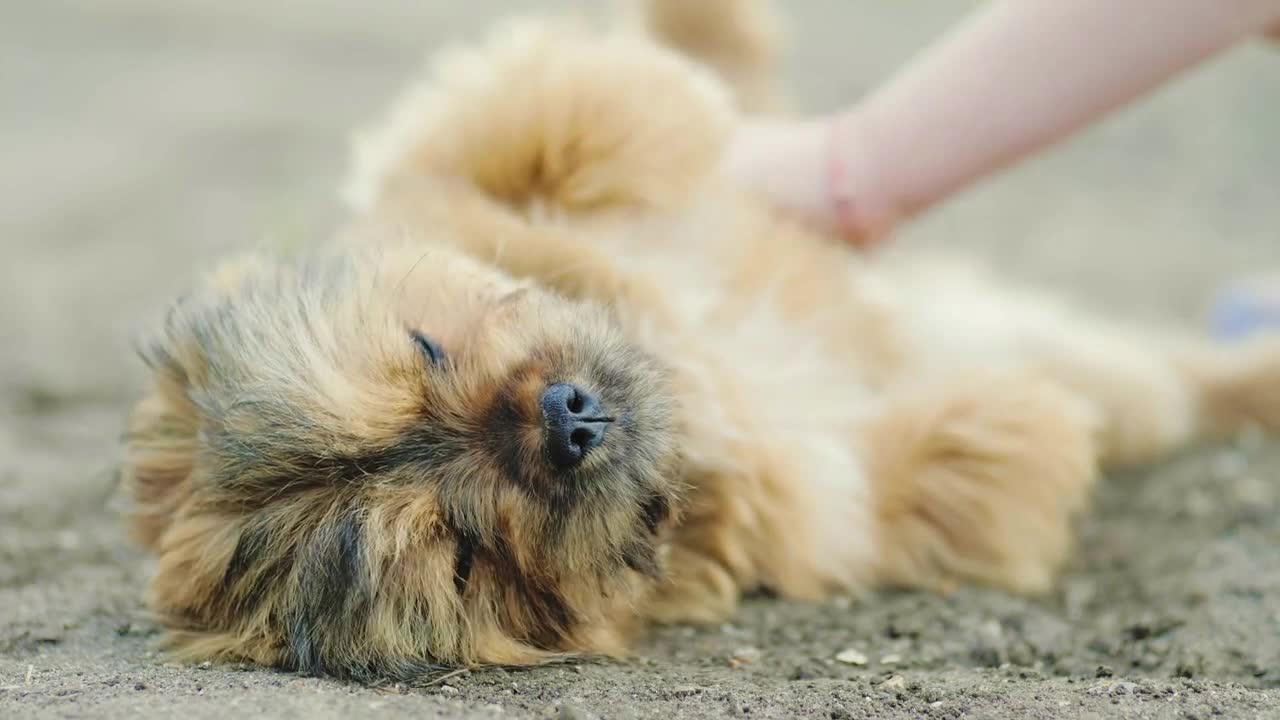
x=570 y=400
x=575 y=423
x=584 y=436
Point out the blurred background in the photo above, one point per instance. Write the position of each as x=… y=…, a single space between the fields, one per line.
x=140 y=139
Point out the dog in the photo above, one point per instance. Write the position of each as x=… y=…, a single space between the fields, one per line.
x=560 y=379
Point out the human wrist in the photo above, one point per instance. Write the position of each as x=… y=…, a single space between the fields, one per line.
x=854 y=187
x=820 y=170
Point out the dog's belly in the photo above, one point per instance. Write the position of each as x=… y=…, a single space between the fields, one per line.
x=773 y=398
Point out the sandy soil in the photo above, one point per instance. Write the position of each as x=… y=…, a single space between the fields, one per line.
x=141 y=138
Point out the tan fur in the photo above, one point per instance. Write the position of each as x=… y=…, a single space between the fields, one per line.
x=548 y=207
x=738 y=39
x=968 y=462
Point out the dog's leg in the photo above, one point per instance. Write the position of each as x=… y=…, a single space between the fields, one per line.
x=738 y=39
x=1157 y=392
x=975 y=478
x=1236 y=386
x=549 y=120
x=1153 y=391
x=731 y=540
x=698 y=589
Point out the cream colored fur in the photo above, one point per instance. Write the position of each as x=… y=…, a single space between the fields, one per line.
x=849 y=421
x=342 y=463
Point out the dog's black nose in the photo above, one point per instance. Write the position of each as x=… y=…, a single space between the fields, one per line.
x=575 y=423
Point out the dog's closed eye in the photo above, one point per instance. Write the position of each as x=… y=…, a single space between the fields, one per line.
x=429 y=348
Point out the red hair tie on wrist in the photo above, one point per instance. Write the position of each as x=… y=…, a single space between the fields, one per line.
x=851 y=218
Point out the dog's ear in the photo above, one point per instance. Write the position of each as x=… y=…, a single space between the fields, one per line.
x=160 y=442
x=161 y=439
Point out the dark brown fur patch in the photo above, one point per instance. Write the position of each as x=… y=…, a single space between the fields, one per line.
x=332 y=500
x=259 y=560
x=548 y=618
x=333 y=594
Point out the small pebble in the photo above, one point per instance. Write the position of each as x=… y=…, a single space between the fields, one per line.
x=448 y=690
x=851 y=657
x=744 y=656
x=1112 y=687
x=1123 y=687
x=891 y=659
x=894 y=682
x=685 y=690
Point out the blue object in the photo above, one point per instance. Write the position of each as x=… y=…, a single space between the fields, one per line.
x=1244 y=311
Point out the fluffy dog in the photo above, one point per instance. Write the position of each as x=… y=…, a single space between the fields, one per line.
x=560 y=379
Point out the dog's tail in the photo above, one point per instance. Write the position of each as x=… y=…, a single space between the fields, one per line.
x=738 y=39
x=560 y=116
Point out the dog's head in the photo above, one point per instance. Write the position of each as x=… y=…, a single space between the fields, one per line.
x=366 y=462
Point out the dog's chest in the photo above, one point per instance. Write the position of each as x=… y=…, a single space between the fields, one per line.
x=764 y=378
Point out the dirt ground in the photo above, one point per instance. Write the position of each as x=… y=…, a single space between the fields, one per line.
x=140 y=138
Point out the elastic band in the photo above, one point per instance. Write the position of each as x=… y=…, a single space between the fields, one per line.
x=856 y=220
x=840 y=193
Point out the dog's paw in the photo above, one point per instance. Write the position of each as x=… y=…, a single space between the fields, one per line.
x=977 y=479
x=1241 y=387
x=697 y=590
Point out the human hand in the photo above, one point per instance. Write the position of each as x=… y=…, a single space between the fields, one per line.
x=811 y=170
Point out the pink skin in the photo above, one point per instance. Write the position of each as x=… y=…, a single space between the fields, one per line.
x=1015 y=77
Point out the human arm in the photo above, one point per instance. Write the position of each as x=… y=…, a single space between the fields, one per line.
x=1013 y=78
